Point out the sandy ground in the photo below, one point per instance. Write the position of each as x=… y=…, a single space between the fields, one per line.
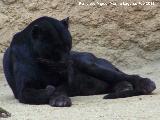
x=90 y=107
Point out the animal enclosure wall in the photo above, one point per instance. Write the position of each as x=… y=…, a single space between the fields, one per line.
x=127 y=35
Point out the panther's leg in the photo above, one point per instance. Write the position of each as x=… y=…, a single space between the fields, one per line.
x=88 y=63
x=60 y=97
x=29 y=89
x=104 y=70
x=37 y=96
x=122 y=90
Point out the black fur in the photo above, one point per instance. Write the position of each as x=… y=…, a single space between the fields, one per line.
x=41 y=69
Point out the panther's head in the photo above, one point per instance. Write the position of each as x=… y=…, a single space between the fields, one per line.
x=50 y=38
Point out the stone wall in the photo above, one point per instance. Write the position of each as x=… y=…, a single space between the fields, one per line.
x=129 y=36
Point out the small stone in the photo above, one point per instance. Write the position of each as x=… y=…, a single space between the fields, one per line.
x=4 y=113
x=54 y=4
x=31 y=5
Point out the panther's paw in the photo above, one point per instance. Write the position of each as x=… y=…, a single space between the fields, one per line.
x=60 y=101
x=144 y=85
x=147 y=85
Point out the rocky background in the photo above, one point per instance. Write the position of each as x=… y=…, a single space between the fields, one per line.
x=129 y=36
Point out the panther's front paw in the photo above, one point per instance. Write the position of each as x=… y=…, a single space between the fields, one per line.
x=60 y=101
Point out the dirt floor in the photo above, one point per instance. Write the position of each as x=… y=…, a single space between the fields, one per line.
x=90 y=107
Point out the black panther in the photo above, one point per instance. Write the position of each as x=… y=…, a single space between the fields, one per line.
x=40 y=68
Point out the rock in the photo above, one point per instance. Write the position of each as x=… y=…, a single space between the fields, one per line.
x=31 y=5
x=54 y=4
x=3 y=19
x=4 y=113
x=8 y=2
x=126 y=35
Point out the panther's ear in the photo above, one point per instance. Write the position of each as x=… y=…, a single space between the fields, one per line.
x=65 y=22
x=36 y=32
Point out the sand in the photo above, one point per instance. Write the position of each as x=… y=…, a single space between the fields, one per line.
x=90 y=107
